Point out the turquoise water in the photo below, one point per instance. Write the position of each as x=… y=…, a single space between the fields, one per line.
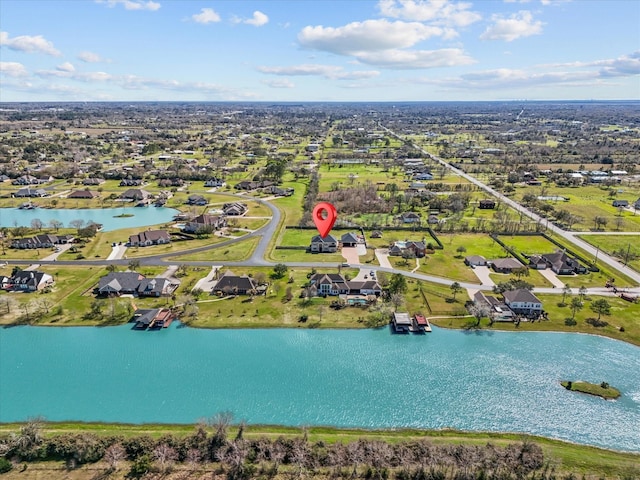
x=142 y=216
x=367 y=378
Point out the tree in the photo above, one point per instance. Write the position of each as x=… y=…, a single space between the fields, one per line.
x=461 y=250
x=565 y=291
x=279 y=270
x=113 y=455
x=55 y=224
x=396 y=299
x=397 y=284
x=134 y=265
x=479 y=310
x=37 y=224
x=455 y=289
x=599 y=222
x=582 y=292
x=601 y=307
x=576 y=306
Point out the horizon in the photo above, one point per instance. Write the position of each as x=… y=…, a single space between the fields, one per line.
x=323 y=51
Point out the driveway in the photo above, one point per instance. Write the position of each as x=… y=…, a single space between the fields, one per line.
x=117 y=252
x=350 y=254
x=483 y=275
x=552 y=277
x=60 y=249
x=206 y=284
x=382 y=254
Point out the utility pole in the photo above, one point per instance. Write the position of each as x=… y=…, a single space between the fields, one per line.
x=595 y=261
x=626 y=257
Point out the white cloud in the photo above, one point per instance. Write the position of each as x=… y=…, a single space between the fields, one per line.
x=279 y=83
x=206 y=15
x=518 y=25
x=627 y=65
x=29 y=44
x=443 y=12
x=327 y=71
x=368 y=36
x=416 y=59
x=259 y=19
x=133 y=4
x=90 y=57
x=66 y=67
x=13 y=69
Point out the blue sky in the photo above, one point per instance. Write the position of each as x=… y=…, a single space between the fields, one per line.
x=319 y=50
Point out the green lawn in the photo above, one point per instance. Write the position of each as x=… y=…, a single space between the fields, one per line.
x=231 y=253
x=618 y=243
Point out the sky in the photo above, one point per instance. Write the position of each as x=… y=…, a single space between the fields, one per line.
x=319 y=50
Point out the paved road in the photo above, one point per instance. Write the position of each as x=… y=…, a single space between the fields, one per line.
x=569 y=236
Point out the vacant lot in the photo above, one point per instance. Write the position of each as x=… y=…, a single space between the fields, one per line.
x=624 y=247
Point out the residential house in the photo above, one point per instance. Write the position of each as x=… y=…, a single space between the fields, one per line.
x=505 y=265
x=93 y=181
x=214 y=182
x=135 y=195
x=149 y=237
x=134 y=283
x=231 y=284
x=621 y=203
x=204 y=222
x=368 y=287
x=83 y=194
x=423 y=176
x=195 y=199
x=29 y=281
x=523 y=302
x=433 y=219
x=350 y=239
x=562 y=264
x=408 y=247
x=26 y=180
x=131 y=182
x=410 y=217
x=30 y=192
x=401 y=322
x=41 y=241
x=234 y=209
x=328 y=244
x=636 y=205
x=328 y=284
x=487 y=204
x=498 y=310
x=475 y=261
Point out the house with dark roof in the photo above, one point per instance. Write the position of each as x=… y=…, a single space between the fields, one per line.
x=475 y=261
x=562 y=264
x=231 y=284
x=136 y=284
x=135 y=195
x=93 y=181
x=204 y=222
x=505 y=265
x=83 y=194
x=636 y=205
x=350 y=239
x=26 y=180
x=328 y=244
x=408 y=247
x=30 y=192
x=523 y=302
x=234 y=209
x=28 y=281
x=621 y=203
x=149 y=237
x=41 y=241
x=328 y=284
x=487 y=204
x=409 y=217
x=195 y=199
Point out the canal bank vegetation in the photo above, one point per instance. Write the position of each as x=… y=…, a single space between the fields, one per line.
x=216 y=448
x=603 y=390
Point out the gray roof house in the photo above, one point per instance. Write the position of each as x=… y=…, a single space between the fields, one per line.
x=134 y=283
x=135 y=195
x=231 y=284
x=149 y=237
x=29 y=281
x=328 y=244
x=350 y=239
x=505 y=265
x=523 y=302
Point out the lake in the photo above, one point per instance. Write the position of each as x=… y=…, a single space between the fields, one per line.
x=142 y=216
x=497 y=381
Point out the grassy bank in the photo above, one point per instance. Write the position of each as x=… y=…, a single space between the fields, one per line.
x=600 y=390
x=564 y=457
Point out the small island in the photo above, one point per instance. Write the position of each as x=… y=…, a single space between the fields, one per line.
x=603 y=390
x=123 y=215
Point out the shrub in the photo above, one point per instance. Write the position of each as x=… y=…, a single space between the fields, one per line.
x=596 y=323
x=570 y=322
x=5 y=465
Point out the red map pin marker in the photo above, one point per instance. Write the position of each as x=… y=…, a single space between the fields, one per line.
x=324 y=221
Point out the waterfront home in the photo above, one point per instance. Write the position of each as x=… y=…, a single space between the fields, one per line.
x=505 y=265
x=231 y=284
x=523 y=302
x=28 y=281
x=135 y=195
x=498 y=310
x=41 y=241
x=30 y=192
x=328 y=284
x=328 y=244
x=134 y=283
x=83 y=194
x=401 y=322
x=203 y=223
x=149 y=237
